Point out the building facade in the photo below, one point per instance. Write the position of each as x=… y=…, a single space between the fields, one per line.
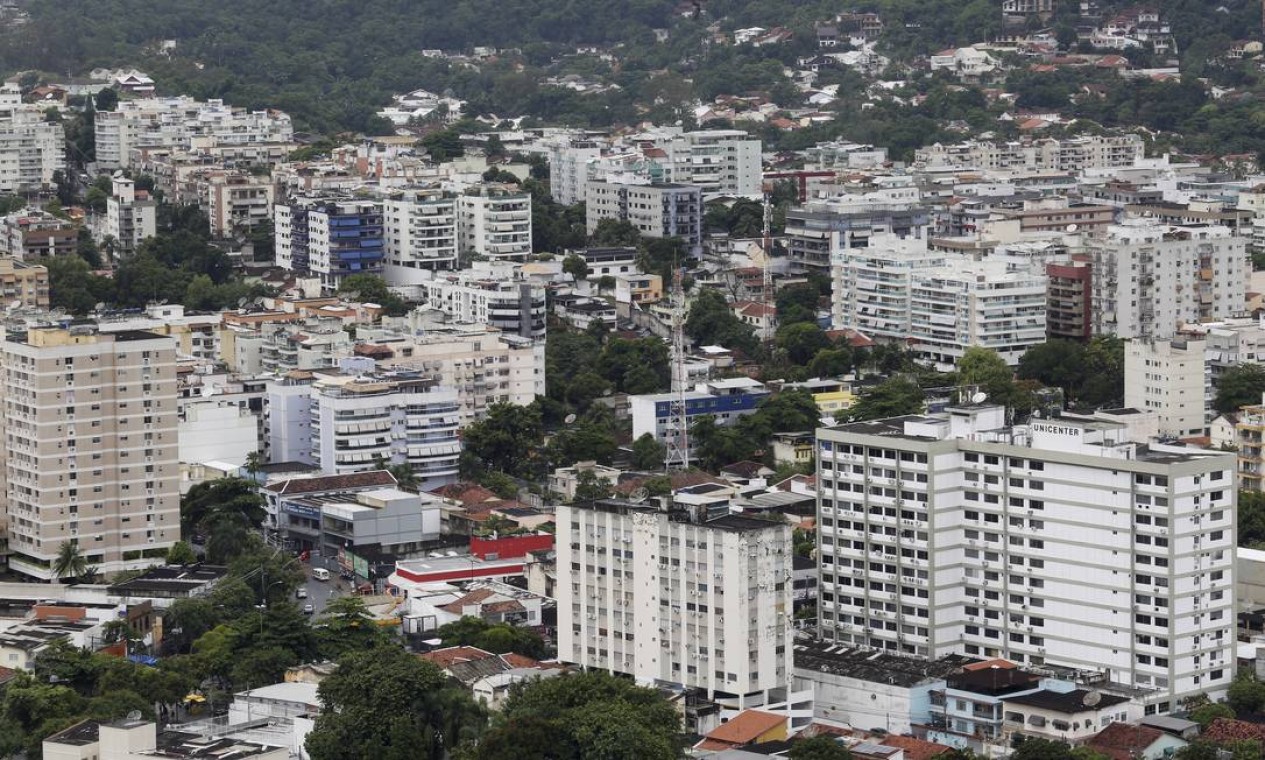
x=1060 y=542
x=1168 y=378
x=32 y=149
x=332 y=240
x=181 y=122
x=496 y=223
x=653 y=594
x=422 y=233
x=90 y=453
x=1049 y=154
x=657 y=211
x=131 y=216
x=723 y=400
x=237 y=202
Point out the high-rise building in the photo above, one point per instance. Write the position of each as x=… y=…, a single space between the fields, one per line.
x=330 y=239
x=510 y=304
x=819 y=230
x=1068 y=307
x=657 y=211
x=496 y=223
x=130 y=215
x=237 y=202
x=1046 y=154
x=180 y=122
x=422 y=233
x=28 y=235
x=90 y=449
x=1167 y=378
x=1150 y=278
x=667 y=597
x=1060 y=542
x=718 y=161
x=32 y=148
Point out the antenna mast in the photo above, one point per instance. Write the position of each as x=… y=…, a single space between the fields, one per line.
x=677 y=456
x=769 y=300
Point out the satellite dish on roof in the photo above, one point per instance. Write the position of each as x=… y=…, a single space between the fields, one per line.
x=99 y=307
x=569 y=419
x=979 y=398
x=639 y=495
x=242 y=301
x=1092 y=698
x=1072 y=228
x=134 y=715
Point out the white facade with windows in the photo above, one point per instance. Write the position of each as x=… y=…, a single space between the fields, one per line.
x=177 y=122
x=661 y=598
x=1150 y=278
x=1060 y=542
x=496 y=223
x=1167 y=377
x=421 y=234
x=31 y=148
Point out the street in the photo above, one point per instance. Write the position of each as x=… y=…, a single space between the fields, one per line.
x=318 y=592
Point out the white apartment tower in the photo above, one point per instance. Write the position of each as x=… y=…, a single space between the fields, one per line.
x=31 y=149
x=665 y=598
x=719 y=161
x=496 y=223
x=177 y=123
x=90 y=450
x=422 y=233
x=131 y=215
x=1150 y=278
x=1168 y=378
x=1058 y=543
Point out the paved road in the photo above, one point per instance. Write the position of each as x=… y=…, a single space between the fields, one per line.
x=320 y=592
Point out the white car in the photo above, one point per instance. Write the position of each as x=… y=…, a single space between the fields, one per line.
x=309 y=609
x=301 y=593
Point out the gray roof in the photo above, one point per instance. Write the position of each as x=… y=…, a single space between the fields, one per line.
x=874 y=666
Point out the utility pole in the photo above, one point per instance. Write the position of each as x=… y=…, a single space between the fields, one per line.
x=769 y=299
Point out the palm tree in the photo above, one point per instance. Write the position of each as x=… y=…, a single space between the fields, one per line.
x=404 y=476
x=70 y=562
x=254 y=465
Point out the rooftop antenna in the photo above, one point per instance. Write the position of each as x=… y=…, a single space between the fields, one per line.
x=677 y=455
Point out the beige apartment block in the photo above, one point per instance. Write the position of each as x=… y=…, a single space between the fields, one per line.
x=90 y=447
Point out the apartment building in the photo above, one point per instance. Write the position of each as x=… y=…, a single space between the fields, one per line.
x=32 y=149
x=90 y=455
x=1047 y=154
x=131 y=216
x=510 y=304
x=482 y=364
x=719 y=161
x=1250 y=439
x=181 y=122
x=330 y=239
x=725 y=400
x=358 y=418
x=237 y=202
x=25 y=285
x=657 y=211
x=1057 y=543
x=668 y=597
x=1168 y=378
x=422 y=233
x=940 y=304
x=1068 y=307
x=818 y=230
x=496 y=223
x=29 y=235
x=569 y=169
x=1150 y=278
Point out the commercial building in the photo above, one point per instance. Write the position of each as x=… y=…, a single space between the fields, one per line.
x=378 y=524
x=1149 y=278
x=32 y=149
x=657 y=211
x=131 y=216
x=495 y=223
x=90 y=453
x=724 y=400
x=1057 y=543
x=1167 y=378
x=330 y=239
x=667 y=597
x=181 y=122
x=1048 y=154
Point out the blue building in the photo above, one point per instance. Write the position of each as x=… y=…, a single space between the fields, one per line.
x=726 y=400
x=331 y=239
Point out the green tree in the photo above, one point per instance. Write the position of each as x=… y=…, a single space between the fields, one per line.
x=802 y=341
x=712 y=322
x=347 y=626
x=497 y=638
x=1251 y=513
x=370 y=288
x=831 y=362
x=894 y=397
x=615 y=232
x=797 y=303
x=107 y=99
x=575 y=266
x=986 y=369
x=648 y=453
x=820 y=747
x=1056 y=363
x=70 y=562
x=1205 y=714
x=1240 y=386
x=181 y=553
x=590 y=715
x=589 y=487
x=389 y=704
x=226 y=511
x=504 y=440
x=1103 y=378
x=1246 y=695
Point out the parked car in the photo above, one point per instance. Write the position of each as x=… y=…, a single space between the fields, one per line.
x=301 y=593
x=309 y=609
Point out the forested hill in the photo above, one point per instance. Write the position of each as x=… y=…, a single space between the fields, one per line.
x=333 y=63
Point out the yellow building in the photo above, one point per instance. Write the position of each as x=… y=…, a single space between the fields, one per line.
x=24 y=283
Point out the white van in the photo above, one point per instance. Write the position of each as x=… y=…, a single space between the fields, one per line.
x=320 y=573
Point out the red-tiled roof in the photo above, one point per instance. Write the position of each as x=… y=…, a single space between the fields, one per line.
x=916 y=749
x=1122 y=741
x=449 y=656
x=744 y=728
x=466 y=493
x=1231 y=730
x=370 y=479
x=474 y=597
